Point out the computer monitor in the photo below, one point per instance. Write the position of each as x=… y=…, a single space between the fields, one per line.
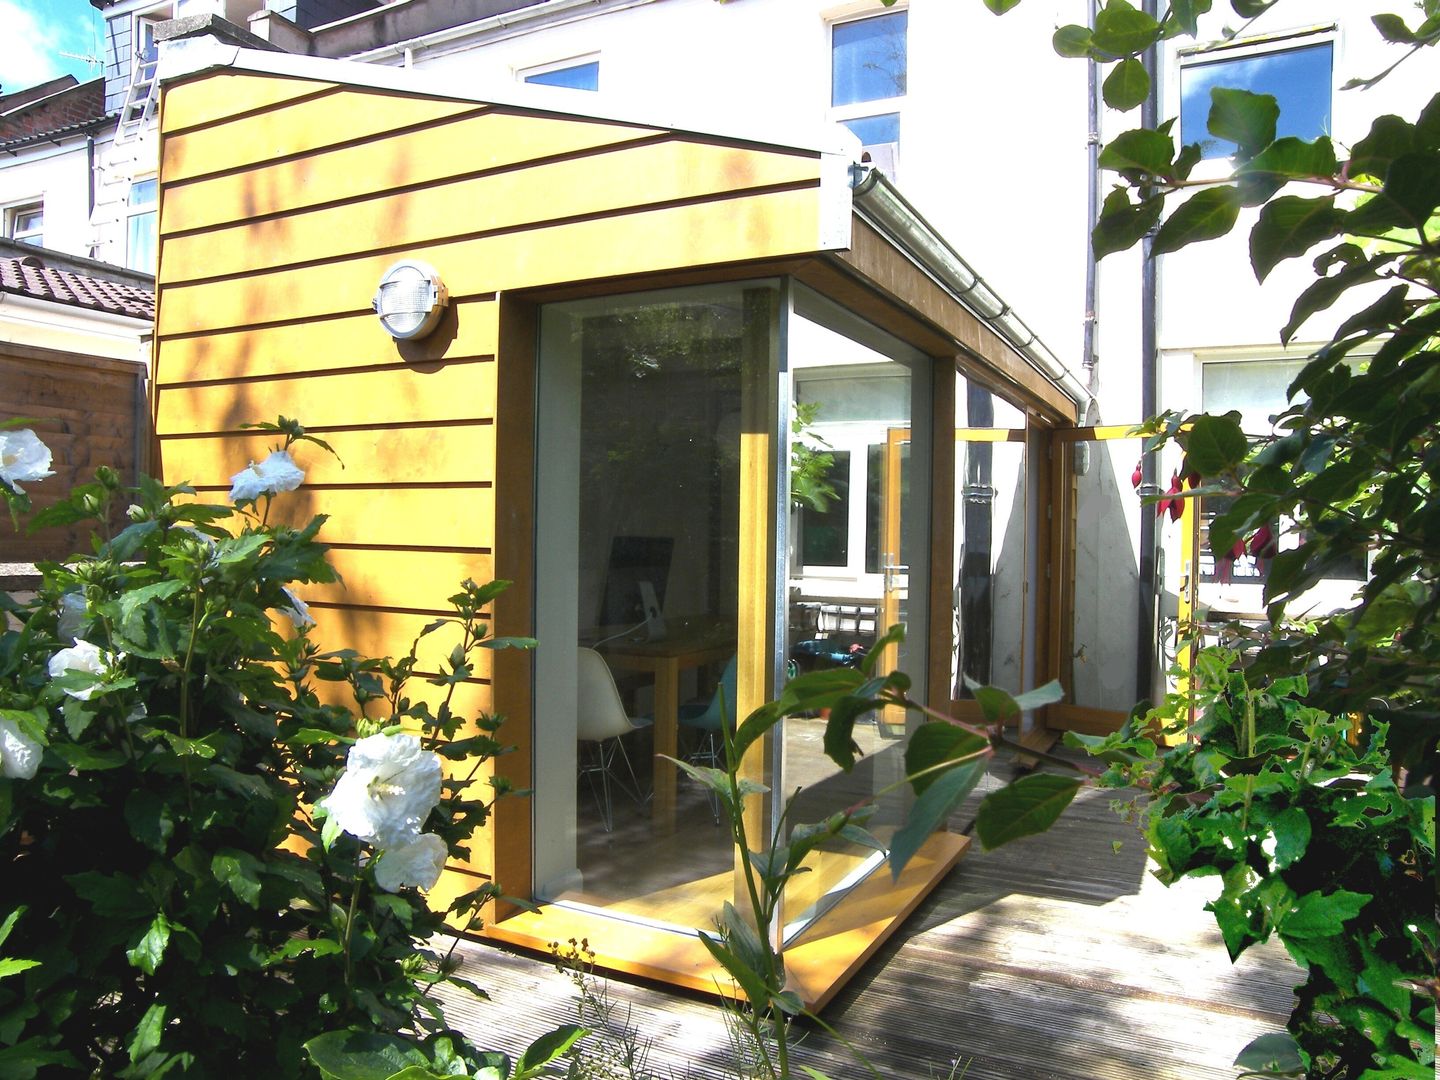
x=635 y=560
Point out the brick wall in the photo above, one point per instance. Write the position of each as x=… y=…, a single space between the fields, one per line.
x=75 y=105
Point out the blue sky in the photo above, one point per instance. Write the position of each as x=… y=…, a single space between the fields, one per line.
x=34 y=34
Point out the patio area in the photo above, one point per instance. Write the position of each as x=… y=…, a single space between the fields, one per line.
x=1053 y=957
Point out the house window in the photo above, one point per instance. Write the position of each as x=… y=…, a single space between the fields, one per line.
x=868 y=74
x=1299 y=79
x=26 y=224
x=569 y=74
x=140 y=226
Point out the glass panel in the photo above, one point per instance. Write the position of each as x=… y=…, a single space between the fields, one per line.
x=873 y=130
x=856 y=393
x=868 y=59
x=994 y=556
x=825 y=518
x=579 y=77
x=1099 y=656
x=1298 y=79
x=140 y=242
x=637 y=530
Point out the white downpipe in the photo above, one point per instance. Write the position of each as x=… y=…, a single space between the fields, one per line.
x=881 y=204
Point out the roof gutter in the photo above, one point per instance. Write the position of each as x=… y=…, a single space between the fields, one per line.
x=878 y=201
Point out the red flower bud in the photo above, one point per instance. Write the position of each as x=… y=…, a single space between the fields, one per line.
x=1138 y=475
x=1175 y=485
x=1177 y=509
x=1193 y=478
x=1262 y=544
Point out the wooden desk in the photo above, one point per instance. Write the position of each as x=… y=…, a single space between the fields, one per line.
x=665 y=660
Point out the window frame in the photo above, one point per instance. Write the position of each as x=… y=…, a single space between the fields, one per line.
x=1245 y=49
x=33 y=237
x=871 y=108
x=528 y=73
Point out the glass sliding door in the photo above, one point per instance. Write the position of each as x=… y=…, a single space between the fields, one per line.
x=642 y=429
x=858 y=541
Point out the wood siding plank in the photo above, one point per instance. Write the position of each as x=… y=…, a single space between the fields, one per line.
x=730 y=230
x=299 y=129
x=467 y=329
x=672 y=171
x=386 y=396
x=389 y=633
x=446 y=149
x=461 y=517
x=226 y=94
x=399 y=579
x=460 y=453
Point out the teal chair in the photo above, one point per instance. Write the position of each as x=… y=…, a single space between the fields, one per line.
x=706 y=720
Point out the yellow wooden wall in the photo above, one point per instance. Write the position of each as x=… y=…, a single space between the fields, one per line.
x=281 y=203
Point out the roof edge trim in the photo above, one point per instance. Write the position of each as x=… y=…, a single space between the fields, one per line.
x=880 y=203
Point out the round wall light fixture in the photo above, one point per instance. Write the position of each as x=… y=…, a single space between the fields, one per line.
x=410 y=300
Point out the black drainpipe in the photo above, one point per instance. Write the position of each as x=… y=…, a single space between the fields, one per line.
x=1092 y=206
x=1145 y=635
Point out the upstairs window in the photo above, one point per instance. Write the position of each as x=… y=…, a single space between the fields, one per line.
x=1298 y=78
x=869 y=69
x=584 y=75
x=140 y=226
x=26 y=224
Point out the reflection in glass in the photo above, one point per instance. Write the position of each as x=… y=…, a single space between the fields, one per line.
x=637 y=526
x=850 y=570
x=1298 y=79
x=868 y=59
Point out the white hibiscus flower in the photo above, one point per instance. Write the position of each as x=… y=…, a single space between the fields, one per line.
x=297 y=611
x=417 y=863
x=388 y=789
x=23 y=457
x=81 y=657
x=276 y=473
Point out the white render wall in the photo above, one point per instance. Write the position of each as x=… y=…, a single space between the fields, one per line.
x=57 y=177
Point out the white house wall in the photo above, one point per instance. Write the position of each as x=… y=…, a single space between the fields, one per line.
x=57 y=177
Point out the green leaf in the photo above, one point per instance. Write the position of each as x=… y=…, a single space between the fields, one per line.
x=10 y=966
x=1292 y=835
x=1277 y=1052
x=547 y=1048
x=150 y=950
x=1029 y=805
x=748 y=980
x=1048 y=694
x=13 y=917
x=150 y=819
x=1322 y=915
x=1389 y=138
x=1295 y=159
x=1290 y=226
x=84 y=758
x=1123 y=224
x=239 y=871
x=362 y=1055
x=133 y=599
x=935 y=744
x=1246 y=119
x=148 y=1032
x=1138 y=150
x=1122 y=30
x=1127 y=85
x=1393 y=29
x=1000 y=7
x=1072 y=41
x=1206 y=215
x=930 y=811
x=1215 y=444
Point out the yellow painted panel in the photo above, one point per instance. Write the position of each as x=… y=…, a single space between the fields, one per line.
x=470 y=328
x=387 y=633
x=671 y=172
x=388 y=396
x=463 y=453
x=454 y=517
x=729 y=230
x=303 y=127
x=468 y=145
x=403 y=579
x=227 y=93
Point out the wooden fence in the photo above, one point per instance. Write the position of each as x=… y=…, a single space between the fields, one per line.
x=90 y=411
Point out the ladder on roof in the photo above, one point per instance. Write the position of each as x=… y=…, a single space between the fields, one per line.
x=140 y=97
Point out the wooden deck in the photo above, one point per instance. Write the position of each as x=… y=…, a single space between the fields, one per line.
x=1054 y=957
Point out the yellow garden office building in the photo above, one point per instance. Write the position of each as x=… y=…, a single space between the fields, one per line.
x=641 y=336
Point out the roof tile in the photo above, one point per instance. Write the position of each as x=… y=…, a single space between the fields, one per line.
x=29 y=276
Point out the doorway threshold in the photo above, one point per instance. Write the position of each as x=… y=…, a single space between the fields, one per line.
x=818 y=963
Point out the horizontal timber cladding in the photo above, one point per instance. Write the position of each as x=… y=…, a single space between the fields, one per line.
x=735 y=229
x=449 y=391
x=516 y=199
x=468 y=329
x=230 y=94
x=466 y=145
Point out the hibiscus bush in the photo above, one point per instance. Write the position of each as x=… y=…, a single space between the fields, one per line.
x=213 y=835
